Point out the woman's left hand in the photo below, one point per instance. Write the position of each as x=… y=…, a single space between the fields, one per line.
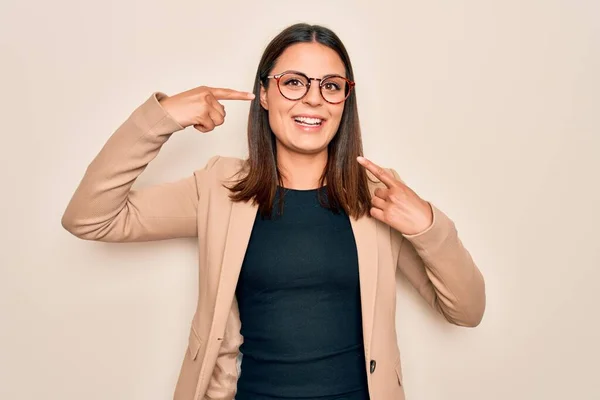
x=397 y=205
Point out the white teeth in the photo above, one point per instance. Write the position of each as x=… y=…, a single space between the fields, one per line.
x=309 y=121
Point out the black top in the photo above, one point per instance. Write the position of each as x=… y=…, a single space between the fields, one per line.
x=299 y=301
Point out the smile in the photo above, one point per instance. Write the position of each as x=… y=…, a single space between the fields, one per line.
x=308 y=121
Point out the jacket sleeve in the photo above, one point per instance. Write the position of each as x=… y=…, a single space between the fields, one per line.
x=104 y=207
x=223 y=382
x=442 y=270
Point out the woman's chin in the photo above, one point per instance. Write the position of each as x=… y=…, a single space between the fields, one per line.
x=309 y=146
x=305 y=144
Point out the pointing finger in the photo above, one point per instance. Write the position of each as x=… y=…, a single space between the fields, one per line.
x=380 y=173
x=230 y=94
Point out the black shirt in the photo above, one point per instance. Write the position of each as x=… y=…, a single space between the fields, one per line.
x=299 y=301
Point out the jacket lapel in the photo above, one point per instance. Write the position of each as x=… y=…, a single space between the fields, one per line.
x=241 y=222
x=365 y=236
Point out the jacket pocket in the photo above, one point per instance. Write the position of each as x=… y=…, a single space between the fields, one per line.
x=399 y=372
x=190 y=368
x=194 y=344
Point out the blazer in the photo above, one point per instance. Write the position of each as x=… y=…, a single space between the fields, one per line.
x=105 y=207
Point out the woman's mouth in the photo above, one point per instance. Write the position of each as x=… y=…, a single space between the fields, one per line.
x=309 y=123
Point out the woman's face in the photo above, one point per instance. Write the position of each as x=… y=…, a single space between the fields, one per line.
x=287 y=118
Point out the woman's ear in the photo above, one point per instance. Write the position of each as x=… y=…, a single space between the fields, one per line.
x=264 y=102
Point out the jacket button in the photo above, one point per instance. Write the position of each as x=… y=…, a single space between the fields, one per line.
x=373 y=365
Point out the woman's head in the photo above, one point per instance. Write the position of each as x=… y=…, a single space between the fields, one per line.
x=303 y=87
x=305 y=103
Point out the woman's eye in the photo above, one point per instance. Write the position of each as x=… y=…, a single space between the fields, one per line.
x=331 y=86
x=293 y=82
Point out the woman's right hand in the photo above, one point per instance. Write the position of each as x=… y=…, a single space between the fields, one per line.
x=200 y=107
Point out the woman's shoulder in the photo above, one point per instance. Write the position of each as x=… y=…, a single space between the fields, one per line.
x=220 y=168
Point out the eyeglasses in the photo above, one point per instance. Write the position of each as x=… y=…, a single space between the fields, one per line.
x=294 y=85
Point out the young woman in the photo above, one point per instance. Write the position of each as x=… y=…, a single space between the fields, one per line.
x=298 y=244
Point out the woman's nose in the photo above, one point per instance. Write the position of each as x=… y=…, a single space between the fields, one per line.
x=313 y=97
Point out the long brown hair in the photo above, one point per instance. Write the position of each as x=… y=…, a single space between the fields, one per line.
x=347 y=187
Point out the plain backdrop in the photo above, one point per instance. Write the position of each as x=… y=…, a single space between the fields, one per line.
x=489 y=109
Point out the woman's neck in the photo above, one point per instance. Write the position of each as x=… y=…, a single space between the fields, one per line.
x=301 y=171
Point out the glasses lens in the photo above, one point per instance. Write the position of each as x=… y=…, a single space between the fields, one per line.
x=293 y=86
x=335 y=89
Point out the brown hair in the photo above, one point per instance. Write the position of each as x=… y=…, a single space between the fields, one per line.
x=347 y=187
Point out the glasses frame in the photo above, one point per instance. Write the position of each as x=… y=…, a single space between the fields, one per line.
x=278 y=77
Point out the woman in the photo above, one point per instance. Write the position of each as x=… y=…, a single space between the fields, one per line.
x=299 y=243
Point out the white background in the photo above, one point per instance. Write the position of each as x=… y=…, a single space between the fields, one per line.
x=489 y=109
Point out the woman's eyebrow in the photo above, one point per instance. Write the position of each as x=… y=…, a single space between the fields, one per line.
x=304 y=73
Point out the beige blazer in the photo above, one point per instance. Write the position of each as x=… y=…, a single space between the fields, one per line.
x=104 y=207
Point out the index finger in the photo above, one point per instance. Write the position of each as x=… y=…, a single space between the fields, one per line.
x=230 y=94
x=380 y=173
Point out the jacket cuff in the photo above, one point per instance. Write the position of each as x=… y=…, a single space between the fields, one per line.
x=153 y=114
x=435 y=235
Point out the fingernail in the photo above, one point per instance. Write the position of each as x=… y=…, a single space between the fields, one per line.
x=360 y=158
